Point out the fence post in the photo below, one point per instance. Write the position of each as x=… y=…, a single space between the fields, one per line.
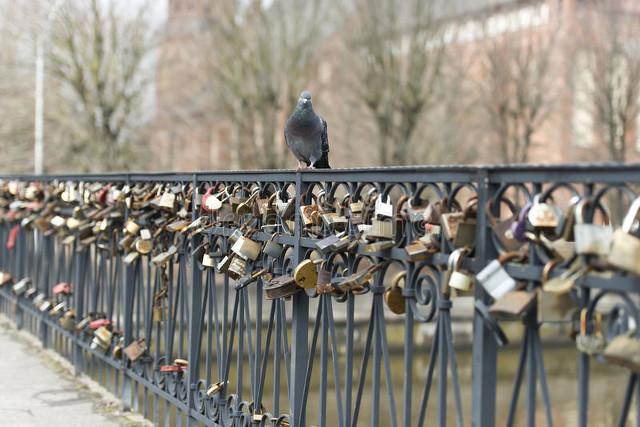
x=300 y=324
x=484 y=357
x=195 y=325
x=127 y=286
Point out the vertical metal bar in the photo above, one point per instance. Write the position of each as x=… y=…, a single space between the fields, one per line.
x=127 y=304
x=195 y=320
x=484 y=357
x=300 y=322
x=531 y=378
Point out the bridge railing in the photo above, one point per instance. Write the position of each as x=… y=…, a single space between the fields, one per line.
x=297 y=298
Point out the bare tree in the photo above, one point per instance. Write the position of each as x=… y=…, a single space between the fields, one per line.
x=261 y=59
x=398 y=51
x=608 y=35
x=98 y=61
x=515 y=86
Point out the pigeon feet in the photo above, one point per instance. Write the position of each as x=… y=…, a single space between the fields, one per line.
x=301 y=166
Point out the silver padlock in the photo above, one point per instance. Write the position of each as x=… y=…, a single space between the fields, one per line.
x=591 y=239
x=624 y=252
x=383 y=209
x=495 y=279
x=457 y=278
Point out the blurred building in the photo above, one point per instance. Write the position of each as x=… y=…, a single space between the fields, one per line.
x=189 y=134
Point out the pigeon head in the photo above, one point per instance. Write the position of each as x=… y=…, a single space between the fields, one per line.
x=305 y=100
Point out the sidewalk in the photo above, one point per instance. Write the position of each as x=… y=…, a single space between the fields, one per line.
x=37 y=390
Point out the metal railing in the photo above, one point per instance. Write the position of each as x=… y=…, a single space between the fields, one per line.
x=298 y=360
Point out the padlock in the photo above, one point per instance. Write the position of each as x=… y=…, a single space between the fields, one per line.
x=131 y=257
x=460 y=227
x=45 y=306
x=39 y=299
x=117 y=349
x=281 y=287
x=495 y=279
x=167 y=201
x=356 y=282
x=97 y=323
x=590 y=343
x=543 y=216
x=624 y=350
x=625 y=247
x=334 y=221
x=381 y=246
x=62 y=288
x=272 y=247
x=246 y=207
x=67 y=320
x=183 y=363
x=101 y=339
x=553 y=307
x=563 y=283
x=248 y=279
x=223 y=265
x=5 y=278
x=381 y=229
x=512 y=304
x=210 y=202
x=310 y=215
x=503 y=228
x=417 y=251
x=235 y=235
x=131 y=227
x=393 y=295
x=21 y=286
x=383 y=209
x=135 y=350
x=458 y=279
x=208 y=260
x=237 y=268
x=58 y=308
x=215 y=388
x=306 y=274
x=327 y=244
x=246 y=248
x=355 y=212
x=591 y=239
x=177 y=226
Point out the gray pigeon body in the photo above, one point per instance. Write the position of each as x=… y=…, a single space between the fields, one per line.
x=306 y=134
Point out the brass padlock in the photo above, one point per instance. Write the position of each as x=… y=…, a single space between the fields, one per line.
x=334 y=221
x=563 y=283
x=309 y=214
x=417 y=251
x=306 y=274
x=381 y=246
x=553 y=307
x=5 y=278
x=382 y=229
x=117 y=349
x=67 y=320
x=167 y=201
x=131 y=227
x=208 y=260
x=393 y=295
x=215 y=388
x=460 y=227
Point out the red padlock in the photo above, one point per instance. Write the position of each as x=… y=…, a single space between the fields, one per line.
x=13 y=236
x=102 y=194
x=98 y=323
x=170 y=368
x=63 y=288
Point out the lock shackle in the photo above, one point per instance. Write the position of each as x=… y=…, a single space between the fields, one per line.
x=597 y=323
x=456 y=257
x=402 y=200
x=395 y=281
x=548 y=268
x=631 y=216
x=581 y=210
x=511 y=256
x=493 y=220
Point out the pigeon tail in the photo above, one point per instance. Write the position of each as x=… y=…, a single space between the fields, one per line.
x=323 y=163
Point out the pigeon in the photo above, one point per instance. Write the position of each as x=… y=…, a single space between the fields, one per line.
x=306 y=135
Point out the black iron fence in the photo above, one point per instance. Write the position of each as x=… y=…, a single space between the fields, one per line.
x=276 y=298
